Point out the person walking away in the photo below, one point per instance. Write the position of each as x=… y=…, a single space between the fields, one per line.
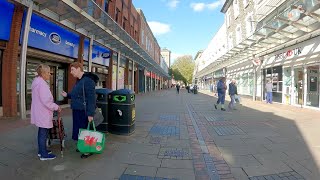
x=178 y=88
x=42 y=107
x=188 y=88
x=232 y=94
x=83 y=100
x=221 y=88
x=269 y=92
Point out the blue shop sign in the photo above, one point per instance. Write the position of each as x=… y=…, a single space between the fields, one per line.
x=100 y=54
x=6 y=14
x=50 y=37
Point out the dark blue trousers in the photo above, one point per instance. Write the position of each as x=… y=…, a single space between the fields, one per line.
x=42 y=138
x=221 y=98
x=80 y=121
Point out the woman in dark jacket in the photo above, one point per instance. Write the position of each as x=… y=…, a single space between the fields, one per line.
x=83 y=99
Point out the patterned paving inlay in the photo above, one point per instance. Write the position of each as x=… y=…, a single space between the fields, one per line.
x=175 y=153
x=134 y=177
x=165 y=130
x=169 y=117
x=292 y=175
x=228 y=130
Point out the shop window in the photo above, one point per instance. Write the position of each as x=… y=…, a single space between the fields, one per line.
x=117 y=15
x=124 y=23
x=142 y=37
x=274 y=74
x=106 y=6
x=313 y=86
x=90 y=8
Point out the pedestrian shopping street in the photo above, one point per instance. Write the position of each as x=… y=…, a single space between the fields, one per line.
x=179 y=136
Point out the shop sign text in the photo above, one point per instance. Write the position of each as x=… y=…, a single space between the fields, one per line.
x=288 y=54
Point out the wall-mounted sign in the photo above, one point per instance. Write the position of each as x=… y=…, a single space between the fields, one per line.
x=288 y=54
x=50 y=37
x=100 y=54
x=6 y=14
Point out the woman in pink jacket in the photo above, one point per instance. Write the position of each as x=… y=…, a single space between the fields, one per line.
x=42 y=108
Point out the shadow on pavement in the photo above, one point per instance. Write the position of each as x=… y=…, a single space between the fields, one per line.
x=181 y=136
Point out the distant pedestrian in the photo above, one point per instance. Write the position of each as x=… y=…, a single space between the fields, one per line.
x=221 y=88
x=42 y=107
x=269 y=92
x=178 y=88
x=232 y=93
x=188 y=88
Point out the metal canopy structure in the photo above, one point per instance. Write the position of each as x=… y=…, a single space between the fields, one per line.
x=292 y=22
x=92 y=21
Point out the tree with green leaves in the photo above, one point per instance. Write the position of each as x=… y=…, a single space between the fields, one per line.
x=182 y=69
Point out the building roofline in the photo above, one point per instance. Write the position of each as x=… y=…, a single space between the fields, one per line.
x=145 y=20
x=226 y=6
x=198 y=54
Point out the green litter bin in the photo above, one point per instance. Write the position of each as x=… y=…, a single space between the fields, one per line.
x=122 y=112
x=103 y=105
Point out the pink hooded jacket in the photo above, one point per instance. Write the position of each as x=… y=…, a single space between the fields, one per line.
x=42 y=105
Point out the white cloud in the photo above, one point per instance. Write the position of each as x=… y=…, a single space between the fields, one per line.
x=159 y=28
x=198 y=6
x=173 y=3
x=211 y=6
x=215 y=5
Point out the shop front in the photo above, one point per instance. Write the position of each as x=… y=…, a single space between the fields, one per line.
x=274 y=75
x=142 y=80
x=54 y=46
x=295 y=73
x=148 y=80
x=243 y=74
x=6 y=20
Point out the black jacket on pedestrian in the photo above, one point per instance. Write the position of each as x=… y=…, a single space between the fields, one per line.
x=84 y=86
x=232 y=89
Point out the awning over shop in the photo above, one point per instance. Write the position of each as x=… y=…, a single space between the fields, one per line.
x=92 y=21
x=292 y=22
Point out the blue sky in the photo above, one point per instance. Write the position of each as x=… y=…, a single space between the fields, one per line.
x=182 y=26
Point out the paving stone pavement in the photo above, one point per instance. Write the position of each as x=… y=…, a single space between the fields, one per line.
x=179 y=137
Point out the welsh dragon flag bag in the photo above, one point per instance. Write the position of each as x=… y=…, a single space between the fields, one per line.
x=91 y=141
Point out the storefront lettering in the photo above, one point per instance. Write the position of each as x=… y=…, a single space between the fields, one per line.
x=289 y=53
x=70 y=44
x=36 y=31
